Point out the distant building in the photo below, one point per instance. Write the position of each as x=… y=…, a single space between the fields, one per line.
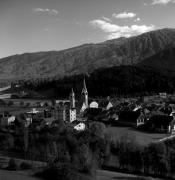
x=131 y=118
x=65 y=110
x=106 y=105
x=110 y=105
x=163 y=95
x=93 y=104
x=30 y=116
x=61 y=113
x=6 y=119
x=80 y=127
x=160 y=123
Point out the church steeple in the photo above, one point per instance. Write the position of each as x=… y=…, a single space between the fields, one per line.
x=85 y=93
x=72 y=99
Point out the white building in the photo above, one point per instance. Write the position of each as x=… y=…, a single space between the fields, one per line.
x=11 y=119
x=93 y=104
x=80 y=127
x=73 y=115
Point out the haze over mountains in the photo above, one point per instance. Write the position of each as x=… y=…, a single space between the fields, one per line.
x=154 y=49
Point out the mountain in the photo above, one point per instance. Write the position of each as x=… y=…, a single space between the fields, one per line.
x=88 y=57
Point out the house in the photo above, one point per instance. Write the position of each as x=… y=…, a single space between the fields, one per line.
x=159 y=123
x=141 y=119
x=106 y=105
x=30 y=116
x=166 y=109
x=80 y=127
x=6 y=119
x=92 y=113
x=131 y=118
x=61 y=113
x=11 y=120
x=109 y=106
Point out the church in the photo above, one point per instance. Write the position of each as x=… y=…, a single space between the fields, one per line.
x=65 y=110
x=85 y=97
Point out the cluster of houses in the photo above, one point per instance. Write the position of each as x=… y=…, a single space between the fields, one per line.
x=158 y=117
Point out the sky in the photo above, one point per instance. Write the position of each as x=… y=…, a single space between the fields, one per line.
x=45 y=25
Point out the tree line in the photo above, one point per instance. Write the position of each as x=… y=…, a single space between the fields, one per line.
x=114 y=81
x=82 y=152
x=155 y=159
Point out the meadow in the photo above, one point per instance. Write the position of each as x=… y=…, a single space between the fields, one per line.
x=100 y=175
x=143 y=138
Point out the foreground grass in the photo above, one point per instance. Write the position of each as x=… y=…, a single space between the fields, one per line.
x=142 y=138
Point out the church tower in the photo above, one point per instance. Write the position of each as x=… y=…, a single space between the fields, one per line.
x=85 y=94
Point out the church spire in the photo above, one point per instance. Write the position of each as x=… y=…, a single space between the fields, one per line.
x=85 y=93
x=72 y=99
x=84 y=90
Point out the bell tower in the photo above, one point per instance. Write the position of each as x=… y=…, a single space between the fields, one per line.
x=72 y=110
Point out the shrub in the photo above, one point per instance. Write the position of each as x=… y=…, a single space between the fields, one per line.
x=28 y=104
x=12 y=165
x=25 y=165
x=2 y=102
x=10 y=103
x=21 y=103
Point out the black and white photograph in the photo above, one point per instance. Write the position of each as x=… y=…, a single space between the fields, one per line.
x=87 y=89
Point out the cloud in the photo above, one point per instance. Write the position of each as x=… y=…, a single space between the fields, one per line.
x=106 y=19
x=136 y=20
x=163 y=2
x=49 y=11
x=116 y=31
x=124 y=15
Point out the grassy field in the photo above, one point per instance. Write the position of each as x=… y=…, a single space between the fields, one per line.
x=142 y=138
x=100 y=175
x=15 y=175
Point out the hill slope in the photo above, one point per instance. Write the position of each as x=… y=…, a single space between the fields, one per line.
x=165 y=58
x=86 y=58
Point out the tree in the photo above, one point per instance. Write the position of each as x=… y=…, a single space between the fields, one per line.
x=10 y=103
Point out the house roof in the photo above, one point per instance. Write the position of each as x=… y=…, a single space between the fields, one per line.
x=129 y=116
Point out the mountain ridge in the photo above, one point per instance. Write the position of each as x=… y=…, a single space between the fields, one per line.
x=87 y=57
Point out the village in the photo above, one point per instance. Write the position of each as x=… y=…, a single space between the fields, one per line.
x=155 y=114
